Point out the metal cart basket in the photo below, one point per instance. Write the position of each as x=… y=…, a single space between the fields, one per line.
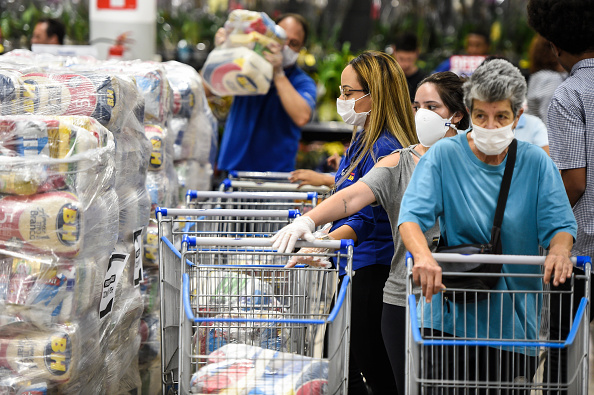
x=302 y=201
x=496 y=341
x=233 y=317
x=270 y=186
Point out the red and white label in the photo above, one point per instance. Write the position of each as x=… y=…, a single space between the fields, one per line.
x=116 y=4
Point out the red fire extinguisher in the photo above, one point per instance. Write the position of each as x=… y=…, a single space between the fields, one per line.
x=117 y=50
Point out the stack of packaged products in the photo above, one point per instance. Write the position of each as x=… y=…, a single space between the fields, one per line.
x=85 y=153
x=237 y=67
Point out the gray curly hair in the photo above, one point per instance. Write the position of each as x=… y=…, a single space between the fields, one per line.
x=496 y=80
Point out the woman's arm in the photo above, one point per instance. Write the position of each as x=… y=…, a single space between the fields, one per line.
x=310 y=177
x=426 y=270
x=342 y=204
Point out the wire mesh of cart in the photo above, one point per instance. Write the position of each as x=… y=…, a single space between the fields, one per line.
x=271 y=176
x=256 y=185
x=497 y=341
x=302 y=201
x=175 y=223
x=248 y=325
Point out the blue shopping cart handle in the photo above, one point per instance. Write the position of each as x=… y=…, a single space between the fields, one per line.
x=581 y=261
x=312 y=195
x=226 y=183
x=190 y=240
x=345 y=244
x=192 y=194
x=161 y=210
x=407 y=257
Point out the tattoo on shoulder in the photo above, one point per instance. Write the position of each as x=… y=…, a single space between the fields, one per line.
x=345 y=205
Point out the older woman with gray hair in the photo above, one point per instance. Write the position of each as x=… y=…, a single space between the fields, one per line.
x=458 y=182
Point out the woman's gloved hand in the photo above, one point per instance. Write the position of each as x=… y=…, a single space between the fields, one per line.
x=317 y=261
x=284 y=240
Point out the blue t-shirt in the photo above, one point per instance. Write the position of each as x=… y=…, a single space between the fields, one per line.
x=464 y=193
x=371 y=224
x=259 y=134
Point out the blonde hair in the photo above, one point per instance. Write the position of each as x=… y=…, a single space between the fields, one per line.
x=380 y=75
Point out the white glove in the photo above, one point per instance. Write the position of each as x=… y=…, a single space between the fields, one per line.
x=284 y=240
x=317 y=261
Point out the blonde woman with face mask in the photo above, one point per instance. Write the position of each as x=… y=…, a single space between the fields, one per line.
x=440 y=111
x=374 y=100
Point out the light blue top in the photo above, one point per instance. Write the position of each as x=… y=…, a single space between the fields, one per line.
x=465 y=191
x=531 y=129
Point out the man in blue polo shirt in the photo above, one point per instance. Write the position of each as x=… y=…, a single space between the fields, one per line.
x=262 y=132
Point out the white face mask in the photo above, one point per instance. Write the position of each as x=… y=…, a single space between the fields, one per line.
x=289 y=57
x=492 y=141
x=431 y=127
x=346 y=110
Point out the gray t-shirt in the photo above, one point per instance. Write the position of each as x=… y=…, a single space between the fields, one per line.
x=388 y=185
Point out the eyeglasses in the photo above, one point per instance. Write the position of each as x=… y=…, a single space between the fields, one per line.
x=346 y=91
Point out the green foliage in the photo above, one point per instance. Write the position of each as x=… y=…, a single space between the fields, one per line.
x=328 y=78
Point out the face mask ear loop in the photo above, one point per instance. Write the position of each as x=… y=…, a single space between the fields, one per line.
x=450 y=124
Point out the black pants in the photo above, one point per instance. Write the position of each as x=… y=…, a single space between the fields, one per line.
x=475 y=363
x=394 y=335
x=368 y=354
x=561 y=318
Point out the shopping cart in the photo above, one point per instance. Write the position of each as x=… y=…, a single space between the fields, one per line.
x=174 y=223
x=229 y=184
x=508 y=360
x=274 y=176
x=292 y=303
x=302 y=201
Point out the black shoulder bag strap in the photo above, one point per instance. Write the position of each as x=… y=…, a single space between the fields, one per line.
x=496 y=247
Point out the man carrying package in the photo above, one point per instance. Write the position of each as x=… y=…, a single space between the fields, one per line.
x=262 y=131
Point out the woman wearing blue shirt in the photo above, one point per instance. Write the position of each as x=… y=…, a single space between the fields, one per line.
x=373 y=96
x=458 y=182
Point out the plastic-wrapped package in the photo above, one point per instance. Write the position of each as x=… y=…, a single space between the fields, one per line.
x=237 y=67
x=152 y=85
x=10 y=83
x=83 y=152
x=91 y=375
x=134 y=211
x=237 y=368
x=159 y=187
x=246 y=28
x=52 y=354
x=43 y=290
x=151 y=244
x=133 y=153
x=214 y=335
x=107 y=98
x=222 y=289
x=237 y=71
x=57 y=223
x=159 y=154
x=150 y=340
x=192 y=175
x=122 y=336
x=188 y=92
